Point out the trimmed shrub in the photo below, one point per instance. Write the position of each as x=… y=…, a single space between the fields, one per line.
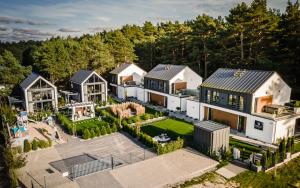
x=34 y=145
x=42 y=144
x=92 y=132
x=108 y=130
x=171 y=146
x=103 y=130
x=145 y=116
x=114 y=128
x=86 y=134
x=124 y=122
x=97 y=131
x=27 y=146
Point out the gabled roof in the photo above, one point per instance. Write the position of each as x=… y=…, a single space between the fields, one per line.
x=29 y=80
x=120 y=68
x=165 y=71
x=81 y=76
x=237 y=80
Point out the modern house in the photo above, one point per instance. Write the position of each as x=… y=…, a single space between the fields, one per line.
x=251 y=102
x=127 y=80
x=170 y=86
x=38 y=94
x=89 y=86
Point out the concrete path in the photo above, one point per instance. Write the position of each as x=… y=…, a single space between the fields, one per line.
x=163 y=170
x=230 y=170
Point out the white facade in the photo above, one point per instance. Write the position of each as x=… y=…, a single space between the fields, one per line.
x=193 y=109
x=275 y=87
x=132 y=70
x=187 y=75
x=273 y=129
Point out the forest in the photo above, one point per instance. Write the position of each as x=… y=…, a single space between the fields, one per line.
x=251 y=36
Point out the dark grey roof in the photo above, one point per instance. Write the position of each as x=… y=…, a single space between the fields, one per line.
x=120 y=68
x=244 y=81
x=29 y=80
x=211 y=125
x=165 y=71
x=80 y=76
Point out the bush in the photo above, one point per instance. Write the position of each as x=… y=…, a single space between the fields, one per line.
x=282 y=149
x=86 y=134
x=108 y=129
x=114 y=128
x=34 y=145
x=42 y=144
x=103 y=131
x=92 y=132
x=145 y=116
x=124 y=122
x=171 y=146
x=97 y=131
x=27 y=146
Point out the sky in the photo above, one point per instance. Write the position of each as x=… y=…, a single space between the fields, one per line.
x=42 y=19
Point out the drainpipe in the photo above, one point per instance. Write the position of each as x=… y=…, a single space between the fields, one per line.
x=273 y=140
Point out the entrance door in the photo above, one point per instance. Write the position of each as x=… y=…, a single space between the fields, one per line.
x=241 y=124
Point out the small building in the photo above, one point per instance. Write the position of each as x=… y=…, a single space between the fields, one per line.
x=80 y=111
x=127 y=80
x=90 y=86
x=211 y=137
x=170 y=86
x=38 y=94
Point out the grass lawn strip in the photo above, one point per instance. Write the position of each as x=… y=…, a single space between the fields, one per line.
x=286 y=176
x=172 y=127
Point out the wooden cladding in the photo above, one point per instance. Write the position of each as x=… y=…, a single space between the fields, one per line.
x=157 y=99
x=126 y=79
x=261 y=102
x=222 y=117
x=180 y=85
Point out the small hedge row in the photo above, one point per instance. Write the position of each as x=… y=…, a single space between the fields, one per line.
x=148 y=141
x=171 y=146
x=35 y=144
x=91 y=133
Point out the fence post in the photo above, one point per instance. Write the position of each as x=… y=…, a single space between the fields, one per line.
x=112 y=162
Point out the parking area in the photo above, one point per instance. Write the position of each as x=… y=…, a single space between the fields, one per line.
x=38 y=169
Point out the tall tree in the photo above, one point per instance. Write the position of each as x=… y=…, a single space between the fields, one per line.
x=11 y=72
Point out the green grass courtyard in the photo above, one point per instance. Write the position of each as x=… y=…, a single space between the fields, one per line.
x=171 y=127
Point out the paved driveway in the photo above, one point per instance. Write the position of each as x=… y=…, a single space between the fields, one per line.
x=155 y=172
x=117 y=144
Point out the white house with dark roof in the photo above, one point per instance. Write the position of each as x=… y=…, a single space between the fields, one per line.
x=89 y=85
x=127 y=80
x=38 y=94
x=170 y=86
x=251 y=102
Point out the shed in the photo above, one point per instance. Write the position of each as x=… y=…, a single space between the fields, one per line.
x=210 y=136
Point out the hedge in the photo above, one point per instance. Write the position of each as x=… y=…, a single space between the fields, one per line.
x=171 y=146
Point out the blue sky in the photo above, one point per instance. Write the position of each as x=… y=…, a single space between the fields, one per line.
x=41 y=19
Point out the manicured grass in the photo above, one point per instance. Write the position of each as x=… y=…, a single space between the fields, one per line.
x=172 y=127
x=297 y=147
x=286 y=176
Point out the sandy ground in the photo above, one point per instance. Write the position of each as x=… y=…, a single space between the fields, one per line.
x=34 y=132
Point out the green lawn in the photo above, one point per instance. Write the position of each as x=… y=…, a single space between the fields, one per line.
x=286 y=176
x=172 y=127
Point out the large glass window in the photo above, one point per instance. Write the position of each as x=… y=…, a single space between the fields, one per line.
x=241 y=103
x=208 y=93
x=232 y=100
x=215 y=96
